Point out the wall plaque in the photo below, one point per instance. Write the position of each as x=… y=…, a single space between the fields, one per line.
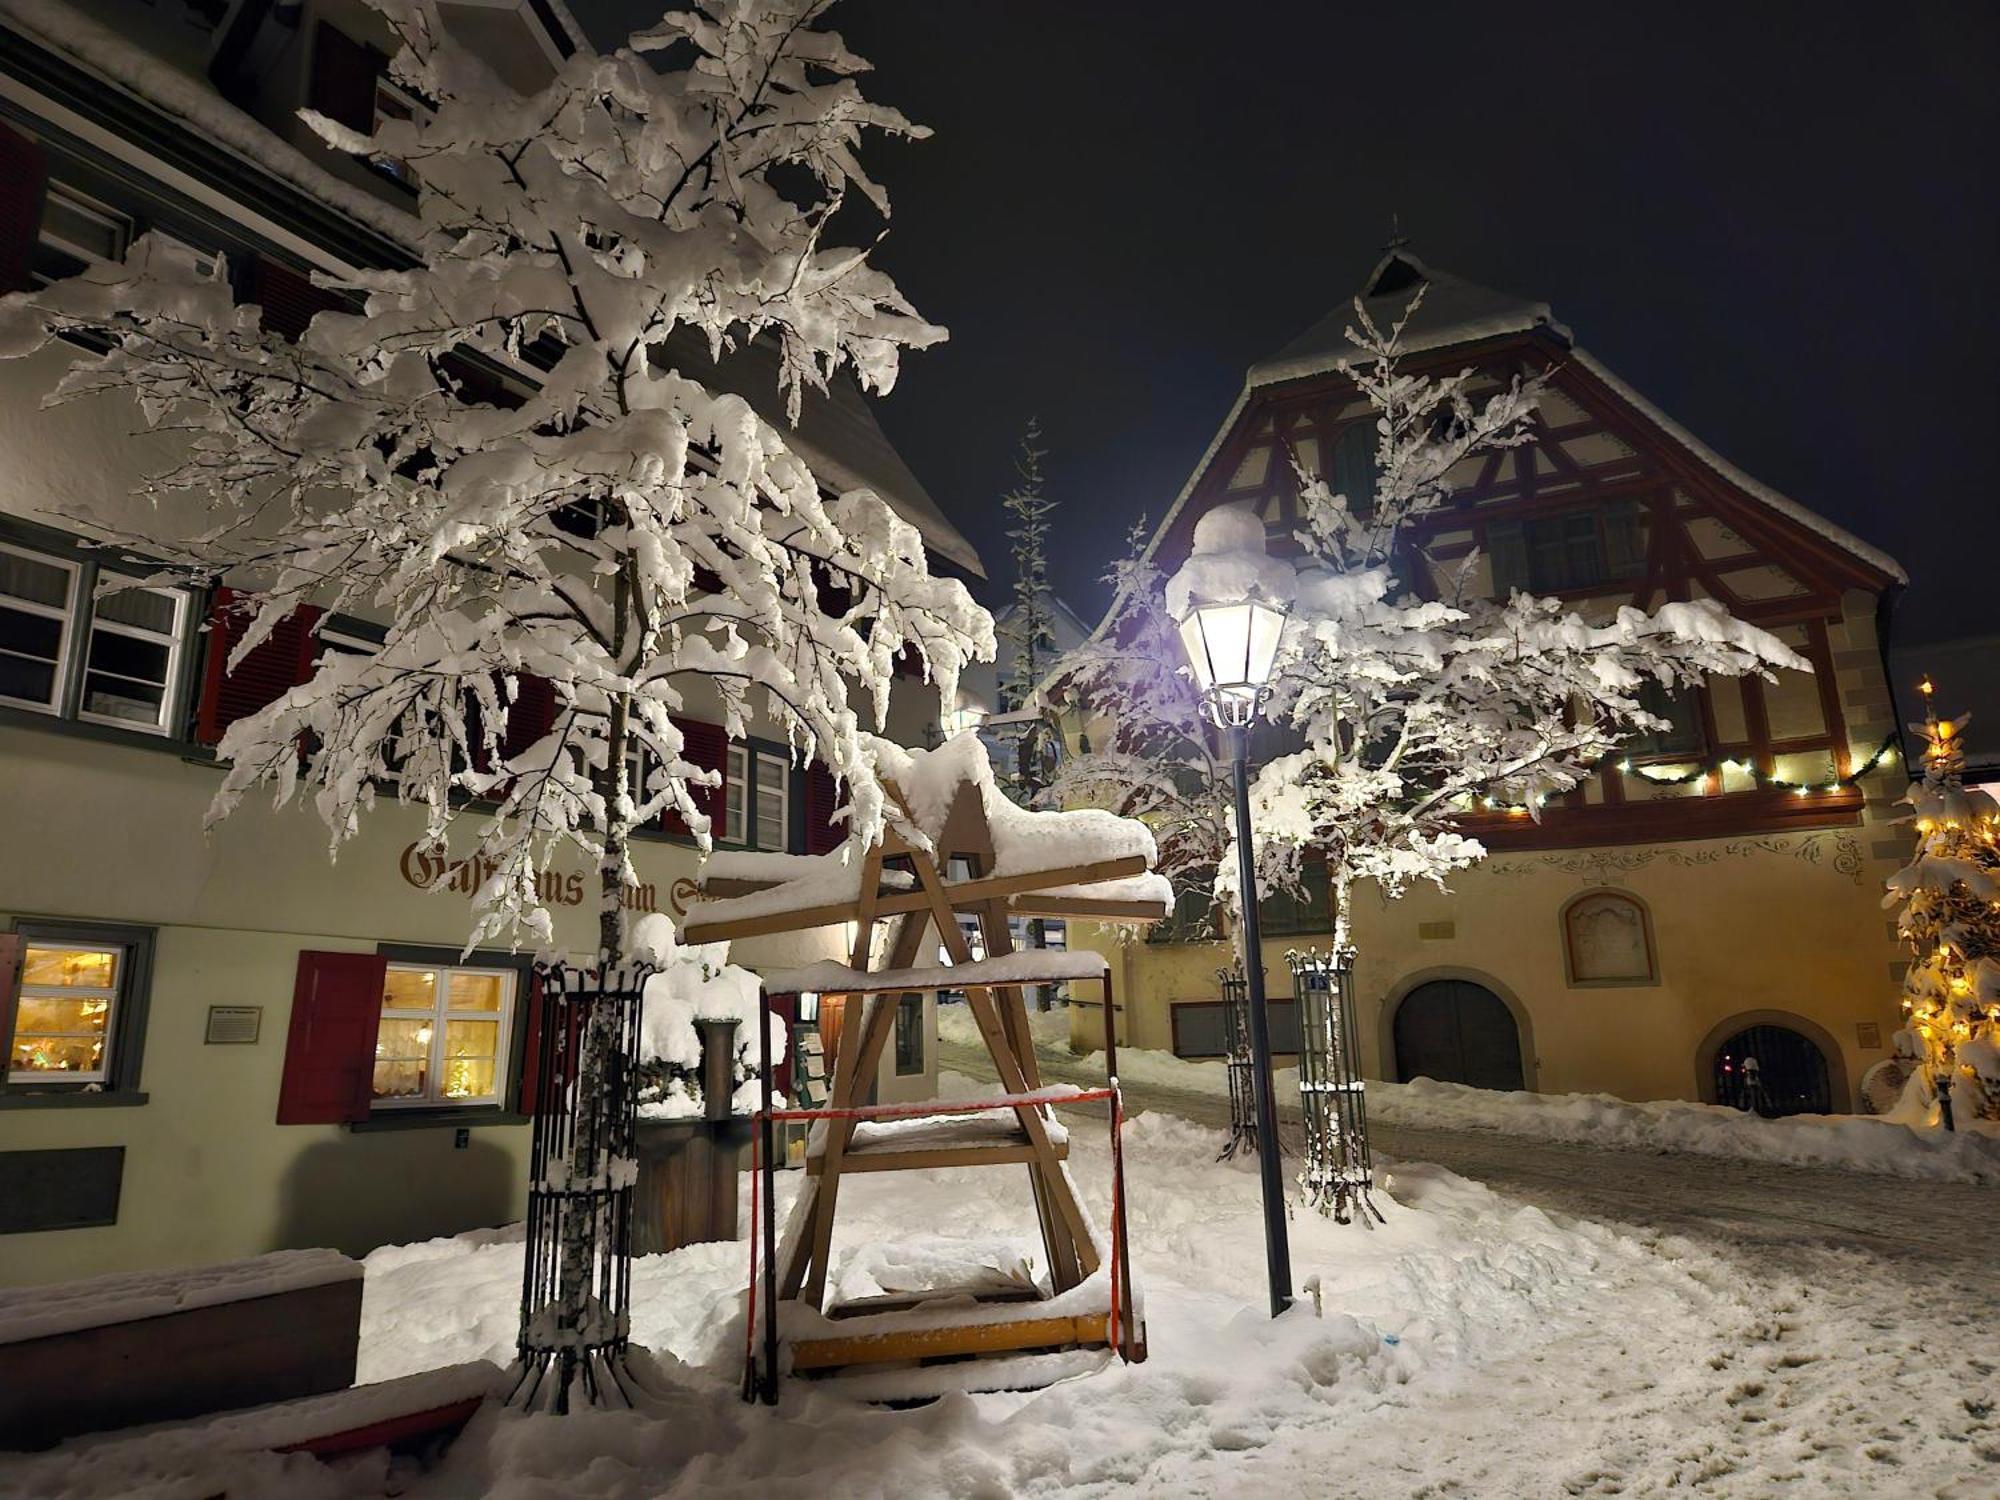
x=233 y=1024
x=1868 y=1034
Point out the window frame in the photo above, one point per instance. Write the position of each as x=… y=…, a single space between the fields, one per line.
x=1610 y=572
x=1566 y=918
x=1638 y=748
x=905 y=1011
x=66 y=616
x=125 y=1035
x=505 y=1065
x=746 y=765
x=80 y=559
x=172 y=708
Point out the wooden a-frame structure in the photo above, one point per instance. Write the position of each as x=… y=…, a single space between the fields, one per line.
x=916 y=900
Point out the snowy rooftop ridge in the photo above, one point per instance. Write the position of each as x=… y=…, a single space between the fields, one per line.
x=1454 y=311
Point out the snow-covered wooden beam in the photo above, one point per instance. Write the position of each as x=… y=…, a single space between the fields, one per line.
x=764 y=916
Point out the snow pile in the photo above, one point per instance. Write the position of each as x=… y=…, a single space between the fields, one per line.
x=696 y=982
x=1890 y=1145
x=1227 y=562
x=36 y=1312
x=1457 y=1277
x=1023 y=841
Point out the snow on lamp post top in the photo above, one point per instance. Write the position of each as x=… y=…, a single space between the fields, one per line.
x=1230 y=600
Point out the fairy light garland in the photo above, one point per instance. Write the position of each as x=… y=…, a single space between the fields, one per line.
x=1886 y=751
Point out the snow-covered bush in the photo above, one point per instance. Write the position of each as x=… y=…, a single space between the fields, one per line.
x=696 y=982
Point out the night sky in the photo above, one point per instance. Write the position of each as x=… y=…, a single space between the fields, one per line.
x=1777 y=221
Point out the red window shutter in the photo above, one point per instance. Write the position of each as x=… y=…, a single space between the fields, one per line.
x=10 y=989
x=344 y=74
x=529 y=716
x=330 y=1048
x=289 y=299
x=707 y=746
x=531 y=1046
x=23 y=175
x=282 y=660
x=822 y=801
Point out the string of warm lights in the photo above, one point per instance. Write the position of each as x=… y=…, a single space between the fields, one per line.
x=1886 y=751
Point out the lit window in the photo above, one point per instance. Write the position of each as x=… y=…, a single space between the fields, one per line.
x=63 y=1013
x=35 y=600
x=130 y=665
x=443 y=1035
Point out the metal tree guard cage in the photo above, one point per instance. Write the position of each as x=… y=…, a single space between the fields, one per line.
x=1236 y=1045
x=576 y=1283
x=1338 y=1169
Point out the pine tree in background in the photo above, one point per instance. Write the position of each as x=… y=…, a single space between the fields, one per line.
x=1950 y=900
x=1030 y=738
x=1026 y=628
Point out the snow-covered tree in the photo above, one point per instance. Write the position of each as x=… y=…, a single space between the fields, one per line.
x=1146 y=754
x=1950 y=899
x=1026 y=627
x=1416 y=702
x=621 y=531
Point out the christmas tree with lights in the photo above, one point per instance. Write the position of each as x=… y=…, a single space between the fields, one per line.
x=1950 y=900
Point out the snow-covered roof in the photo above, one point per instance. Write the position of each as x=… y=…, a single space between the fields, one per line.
x=1454 y=311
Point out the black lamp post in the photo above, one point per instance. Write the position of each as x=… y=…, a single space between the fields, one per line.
x=1232 y=646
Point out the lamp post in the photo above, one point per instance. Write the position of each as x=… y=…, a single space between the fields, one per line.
x=1230 y=602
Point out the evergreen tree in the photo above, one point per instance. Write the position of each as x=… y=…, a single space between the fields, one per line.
x=1950 y=899
x=1026 y=627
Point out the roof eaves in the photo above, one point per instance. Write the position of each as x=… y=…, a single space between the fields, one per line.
x=1783 y=504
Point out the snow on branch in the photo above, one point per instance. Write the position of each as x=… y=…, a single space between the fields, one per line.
x=612 y=526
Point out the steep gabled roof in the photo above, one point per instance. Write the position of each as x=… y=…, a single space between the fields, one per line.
x=1454 y=311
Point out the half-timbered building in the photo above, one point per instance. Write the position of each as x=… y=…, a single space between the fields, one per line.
x=1709 y=894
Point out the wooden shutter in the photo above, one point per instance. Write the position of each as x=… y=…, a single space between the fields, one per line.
x=23 y=176
x=822 y=799
x=330 y=1048
x=706 y=746
x=283 y=660
x=289 y=299
x=344 y=75
x=10 y=989
x=529 y=716
x=531 y=1045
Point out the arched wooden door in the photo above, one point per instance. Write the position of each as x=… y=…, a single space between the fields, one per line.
x=1772 y=1071
x=1458 y=1032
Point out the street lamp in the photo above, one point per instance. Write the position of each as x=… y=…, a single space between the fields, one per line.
x=1230 y=600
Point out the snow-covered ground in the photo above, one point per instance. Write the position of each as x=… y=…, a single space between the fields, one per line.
x=1472 y=1346
x=1857 y=1143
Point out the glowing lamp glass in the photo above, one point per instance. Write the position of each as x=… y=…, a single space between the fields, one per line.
x=1232 y=648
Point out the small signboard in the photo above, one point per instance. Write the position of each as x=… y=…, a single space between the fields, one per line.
x=233 y=1024
x=1868 y=1034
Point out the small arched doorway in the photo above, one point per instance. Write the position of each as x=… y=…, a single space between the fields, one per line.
x=1458 y=1032
x=1773 y=1071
